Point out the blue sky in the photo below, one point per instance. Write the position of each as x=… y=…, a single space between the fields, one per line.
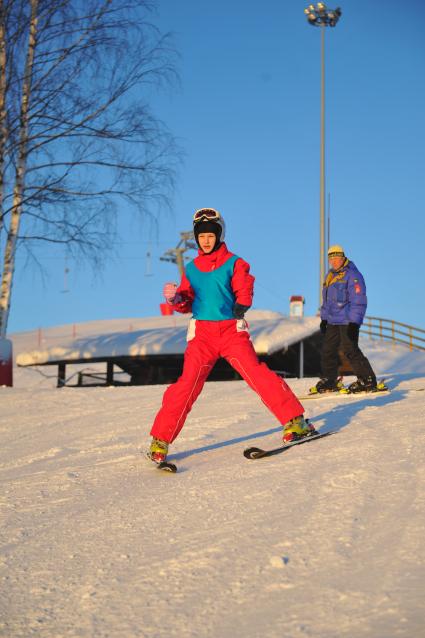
x=247 y=115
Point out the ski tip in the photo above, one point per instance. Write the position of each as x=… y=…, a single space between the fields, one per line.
x=252 y=452
x=167 y=467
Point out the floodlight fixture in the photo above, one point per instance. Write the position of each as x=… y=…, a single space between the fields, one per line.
x=321 y=16
x=321 y=9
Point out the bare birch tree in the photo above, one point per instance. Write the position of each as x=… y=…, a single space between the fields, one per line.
x=78 y=142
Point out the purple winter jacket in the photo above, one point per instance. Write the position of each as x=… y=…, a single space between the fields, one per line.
x=344 y=298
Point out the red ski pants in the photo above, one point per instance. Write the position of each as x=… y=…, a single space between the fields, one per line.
x=212 y=340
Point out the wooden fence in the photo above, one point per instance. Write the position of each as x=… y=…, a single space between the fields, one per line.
x=390 y=330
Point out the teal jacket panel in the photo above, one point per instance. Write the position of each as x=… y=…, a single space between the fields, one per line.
x=214 y=297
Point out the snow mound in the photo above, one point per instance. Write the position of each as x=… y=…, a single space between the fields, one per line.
x=270 y=332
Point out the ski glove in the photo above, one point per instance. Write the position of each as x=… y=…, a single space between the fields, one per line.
x=169 y=292
x=323 y=326
x=239 y=310
x=353 y=331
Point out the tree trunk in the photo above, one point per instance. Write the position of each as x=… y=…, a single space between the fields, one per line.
x=3 y=125
x=18 y=191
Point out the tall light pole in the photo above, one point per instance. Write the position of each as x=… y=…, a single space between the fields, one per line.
x=321 y=16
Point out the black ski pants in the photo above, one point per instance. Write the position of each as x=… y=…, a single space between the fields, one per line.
x=336 y=338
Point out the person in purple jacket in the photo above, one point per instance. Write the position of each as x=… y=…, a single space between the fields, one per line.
x=343 y=308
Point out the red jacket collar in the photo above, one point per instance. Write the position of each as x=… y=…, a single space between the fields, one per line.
x=214 y=259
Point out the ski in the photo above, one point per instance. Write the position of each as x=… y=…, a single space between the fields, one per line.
x=167 y=467
x=381 y=388
x=338 y=395
x=258 y=453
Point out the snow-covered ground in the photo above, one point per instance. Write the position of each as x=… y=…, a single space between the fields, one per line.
x=324 y=541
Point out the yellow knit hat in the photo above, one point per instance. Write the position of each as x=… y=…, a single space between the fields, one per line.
x=336 y=251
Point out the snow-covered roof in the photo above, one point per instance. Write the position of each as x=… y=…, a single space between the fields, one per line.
x=150 y=336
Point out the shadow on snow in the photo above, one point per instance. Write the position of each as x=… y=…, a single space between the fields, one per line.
x=336 y=419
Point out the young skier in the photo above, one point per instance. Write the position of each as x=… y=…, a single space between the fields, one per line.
x=343 y=308
x=218 y=289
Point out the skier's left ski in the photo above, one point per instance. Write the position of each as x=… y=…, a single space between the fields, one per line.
x=258 y=453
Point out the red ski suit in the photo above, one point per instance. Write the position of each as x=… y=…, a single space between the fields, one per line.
x=210 y=340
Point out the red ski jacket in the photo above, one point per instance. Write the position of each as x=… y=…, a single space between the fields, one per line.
x=242 y=281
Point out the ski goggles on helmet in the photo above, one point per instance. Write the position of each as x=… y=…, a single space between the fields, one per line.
x=206 y=215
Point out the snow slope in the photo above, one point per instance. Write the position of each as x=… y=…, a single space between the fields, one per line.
x=324 y=541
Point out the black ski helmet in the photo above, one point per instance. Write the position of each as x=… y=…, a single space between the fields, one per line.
x=209 y=220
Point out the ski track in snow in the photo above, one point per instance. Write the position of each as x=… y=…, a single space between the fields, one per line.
x=323 y=541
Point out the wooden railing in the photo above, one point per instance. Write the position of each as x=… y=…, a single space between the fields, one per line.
x=390 y=330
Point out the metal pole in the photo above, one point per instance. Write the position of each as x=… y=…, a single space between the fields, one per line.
x=179 y=259
x=301 y=360
x=322 y=172
x=328 y=227
x=320 y=16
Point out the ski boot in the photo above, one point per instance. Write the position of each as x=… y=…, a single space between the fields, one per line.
x=158 y=451
x=363 y=384
x=326 y=385
x=297 y=428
